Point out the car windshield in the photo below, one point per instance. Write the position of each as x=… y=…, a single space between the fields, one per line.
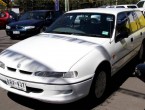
x=33 y=15
x=84 y=24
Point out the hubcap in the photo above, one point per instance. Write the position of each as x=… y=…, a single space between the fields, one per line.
x=100 y=85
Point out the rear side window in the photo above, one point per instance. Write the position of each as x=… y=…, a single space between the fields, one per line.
x=131 y=7
x=122 y=23
x=134 y=22
x=140 y=4
x=140 y=18
x=2 y=15
x=120 y=7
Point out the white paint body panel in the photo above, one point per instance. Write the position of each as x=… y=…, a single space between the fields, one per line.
x=64 y=53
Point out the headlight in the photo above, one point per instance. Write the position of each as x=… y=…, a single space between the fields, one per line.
x=8 y=27
x=57 y=74
x=29 y=27
x=2 y=65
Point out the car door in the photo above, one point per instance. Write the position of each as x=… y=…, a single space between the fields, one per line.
x=123 y=42
x=139 y=32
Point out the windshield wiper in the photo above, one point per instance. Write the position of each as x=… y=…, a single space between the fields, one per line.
x=62 y=32
x=91 y=35
x=80 y=34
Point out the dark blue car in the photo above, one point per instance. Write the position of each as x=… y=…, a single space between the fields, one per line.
x=31 y=23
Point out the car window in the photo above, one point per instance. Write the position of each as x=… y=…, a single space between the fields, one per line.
x=88 y=24
x=2 y=15
x=140 y=4
x=33 y=15
x=134 y=23
x=131 y=7
x=120 y=7
x=122 y=24
x=13 y=14
x=141 y=18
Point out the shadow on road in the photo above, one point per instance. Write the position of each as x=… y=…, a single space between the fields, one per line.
x=83 y=104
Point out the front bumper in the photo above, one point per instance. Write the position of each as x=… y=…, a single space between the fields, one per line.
x=22 y=33
x=51 y=93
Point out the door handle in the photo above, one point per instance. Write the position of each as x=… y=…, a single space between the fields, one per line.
x=131 y=39
x=141 y=33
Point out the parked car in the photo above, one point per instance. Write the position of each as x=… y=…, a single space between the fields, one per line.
x=140 y=72
x=124 y=6
x=31 y=23
x=75 y=57
x=121 y=6
x=7 y=17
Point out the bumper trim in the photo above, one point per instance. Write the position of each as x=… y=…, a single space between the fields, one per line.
x=47 y=83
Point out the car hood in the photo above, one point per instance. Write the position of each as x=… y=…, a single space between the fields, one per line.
x=47 y=52
x=29 y=22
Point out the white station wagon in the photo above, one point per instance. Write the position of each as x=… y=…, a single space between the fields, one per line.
x=76 y=56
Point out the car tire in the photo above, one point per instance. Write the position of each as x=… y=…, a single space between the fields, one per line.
x=99 y=86
x=141 y=54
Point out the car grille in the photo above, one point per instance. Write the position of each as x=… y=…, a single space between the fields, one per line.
x=20 y=71
x=17 y=27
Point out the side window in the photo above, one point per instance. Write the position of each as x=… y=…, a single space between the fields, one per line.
x=120 y=7
x=140 y=18
x=2 y=15
x=140 y=4
x=122 y=24
x=134 y=23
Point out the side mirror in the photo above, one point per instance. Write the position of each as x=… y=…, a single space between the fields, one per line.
x=121 y=36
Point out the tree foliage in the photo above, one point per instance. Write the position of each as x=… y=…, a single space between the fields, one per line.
x=74 y=4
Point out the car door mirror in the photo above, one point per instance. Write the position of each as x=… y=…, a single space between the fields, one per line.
x=121 y=36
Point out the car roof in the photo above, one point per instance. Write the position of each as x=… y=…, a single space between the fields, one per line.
x=102 y=10
x=126 y=5
x=40 y=10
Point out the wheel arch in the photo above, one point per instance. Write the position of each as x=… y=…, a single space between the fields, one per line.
x=105 y=65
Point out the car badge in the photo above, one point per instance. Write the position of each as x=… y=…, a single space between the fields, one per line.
x=19 y=65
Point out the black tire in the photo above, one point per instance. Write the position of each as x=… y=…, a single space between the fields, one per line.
x=141 y=53
x=100 y=85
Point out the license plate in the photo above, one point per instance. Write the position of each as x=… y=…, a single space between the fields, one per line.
x=16 y=32
x=16 y=84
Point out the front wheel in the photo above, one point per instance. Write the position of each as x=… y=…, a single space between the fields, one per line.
x=99 y=85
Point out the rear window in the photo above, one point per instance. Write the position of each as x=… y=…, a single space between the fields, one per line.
x=120 y=7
